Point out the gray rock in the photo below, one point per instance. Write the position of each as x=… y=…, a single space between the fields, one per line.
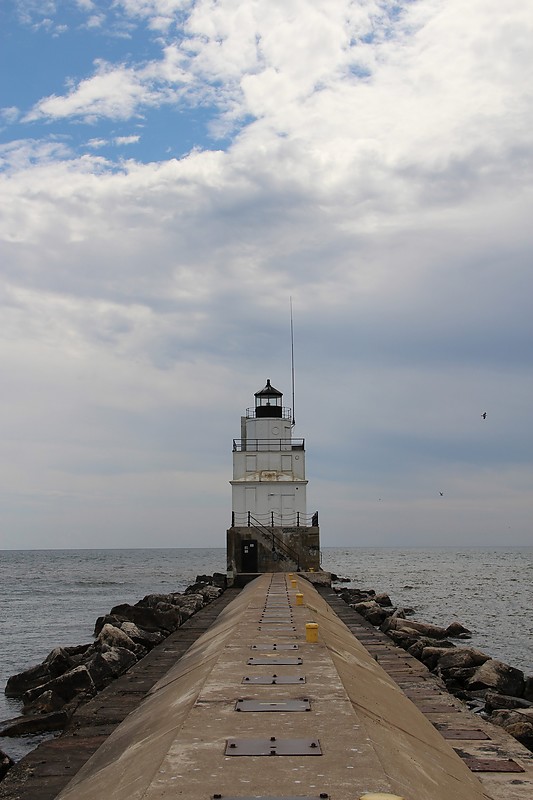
x=383 y=600
x=66 y=686
x=35 y=723
x=412 y=626
x=371 y=611
x=416 y=649
x=5 y=764
x=151 y=619
x=107 y=619
x=56 y=663
x=461 y=657
x=494 y=701
x=494 y=674
x=147 y=639
x=458 y=631
x=46 y=703
x=118 y=659
x=115 y=637
x=517 y=724
x=528 y=688
x=100 y=670
x=401 y=638
x=430 y=656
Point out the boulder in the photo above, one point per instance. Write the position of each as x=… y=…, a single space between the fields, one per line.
x=528 y=688
x=416 y=649
x=115 y=637
x=383 y=600
x=402 y=639
x=101 y=670
x=430 y=656
x=46 y=703
x=493 y=701
x=5 y=764
x=220 y=579
x=34 y=723
x=457 y=631
x=412 y=626
x=371 y=611
x=189 y=604
x=461 y=657
x=107 y=619
x=147 y=639
x=66 y=686
x=151 y=619
x=494 y=674
x=56 y=663
x=517 y=723
x=118 y=659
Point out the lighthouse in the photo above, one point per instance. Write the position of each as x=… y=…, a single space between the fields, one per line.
x=271 y=530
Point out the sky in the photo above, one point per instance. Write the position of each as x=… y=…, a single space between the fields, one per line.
x=173 y=172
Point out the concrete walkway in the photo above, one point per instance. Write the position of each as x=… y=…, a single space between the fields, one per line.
x=253 y=710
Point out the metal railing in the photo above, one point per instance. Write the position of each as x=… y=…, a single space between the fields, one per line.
x=274 y=519
x=267 y=445
x=286 y=413
x=278 y=545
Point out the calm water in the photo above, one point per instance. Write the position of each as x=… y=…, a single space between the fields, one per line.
x=53 y=597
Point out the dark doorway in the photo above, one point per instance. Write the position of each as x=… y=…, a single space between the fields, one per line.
x=249 y=556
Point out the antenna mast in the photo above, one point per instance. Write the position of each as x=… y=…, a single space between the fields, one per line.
x=292 y=363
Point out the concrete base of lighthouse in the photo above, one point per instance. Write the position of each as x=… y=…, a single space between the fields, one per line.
x=253 y=550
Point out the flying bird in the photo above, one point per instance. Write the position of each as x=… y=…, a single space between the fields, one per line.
x=441 y=494
x=484 y=415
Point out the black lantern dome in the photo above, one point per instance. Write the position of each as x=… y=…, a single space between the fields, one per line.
x=268 y=402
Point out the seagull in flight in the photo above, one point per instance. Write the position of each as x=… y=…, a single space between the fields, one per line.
x=441 y=494
x=484 y=415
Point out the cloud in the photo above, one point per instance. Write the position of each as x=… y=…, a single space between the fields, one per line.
x=378 y=171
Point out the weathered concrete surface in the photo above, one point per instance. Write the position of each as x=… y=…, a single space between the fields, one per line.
x=46 y=770
x=372 y=736
x=374 y=712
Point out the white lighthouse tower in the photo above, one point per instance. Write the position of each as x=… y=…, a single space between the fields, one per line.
x=270 y=530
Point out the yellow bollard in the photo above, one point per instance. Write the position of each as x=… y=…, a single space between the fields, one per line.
x=380 y=796
x=311 y=632
x=299 y=599
x=311 y=569
x=290 y=576
x=294 y=583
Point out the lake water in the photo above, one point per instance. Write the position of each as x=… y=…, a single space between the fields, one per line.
x=50 y=598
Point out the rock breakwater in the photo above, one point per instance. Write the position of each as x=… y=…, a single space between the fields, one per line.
x=499 y=692
x=68 y=677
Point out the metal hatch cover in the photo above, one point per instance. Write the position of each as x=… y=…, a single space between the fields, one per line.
x=273 y=747
x=279 y=705
x=321 y=796
x=462 y=733
x=489 y=764
x=264 y=661
x=265 y=680
x=274 y=646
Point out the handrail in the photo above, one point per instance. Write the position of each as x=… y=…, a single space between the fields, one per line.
x=275 y=519
x=286 y=413
x=277 y=542
x=267 y=445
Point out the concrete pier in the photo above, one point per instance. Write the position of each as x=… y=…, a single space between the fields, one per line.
x=253 y=709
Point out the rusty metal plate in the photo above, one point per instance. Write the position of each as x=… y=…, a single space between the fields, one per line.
x=274 y=646
x=264 y=680
x=279 y=705
x=263 y=661
x=469 y=734
x=321 y=796
x=273 y=747
x=490 y=764
x=277 y=628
